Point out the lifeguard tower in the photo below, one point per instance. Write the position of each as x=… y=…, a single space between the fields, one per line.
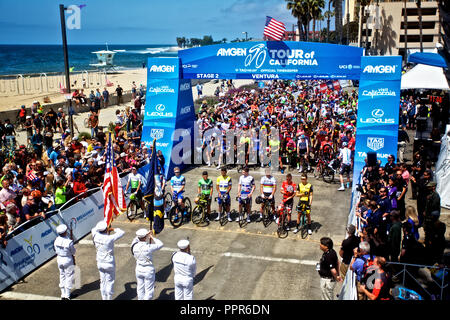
x=105 y=60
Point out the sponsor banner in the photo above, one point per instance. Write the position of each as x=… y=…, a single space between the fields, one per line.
x=163 y=133
x=186 y=109
x=381 y=68
x=28 y=250
x=378 y=110
x=271 y=60
x=163 y=68
x=161 y=99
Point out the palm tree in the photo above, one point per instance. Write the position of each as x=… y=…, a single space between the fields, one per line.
x=316 y=7
x=297 y=9
x=337 y=5
x=328 y=14
x=363 y=4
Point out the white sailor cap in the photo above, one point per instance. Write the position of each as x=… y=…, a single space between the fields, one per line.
x=141 y=233
x=101 y=226
x=183 y=244
x=61 y=228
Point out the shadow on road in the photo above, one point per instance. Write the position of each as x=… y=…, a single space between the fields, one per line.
x=129 y=293
x=88 y=287
x=199 y=277
x=163 y=274
x=167 y=294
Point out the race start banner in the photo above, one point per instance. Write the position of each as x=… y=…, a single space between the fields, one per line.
x=269 y=60
x=378 y=110
x=169 y=113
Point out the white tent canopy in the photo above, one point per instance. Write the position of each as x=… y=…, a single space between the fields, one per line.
x=423 y=76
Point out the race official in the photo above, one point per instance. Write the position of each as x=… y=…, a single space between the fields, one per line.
x=328 y=269
x=106 y=264
x=142 y=248
x=65 y=252
x=185 y=267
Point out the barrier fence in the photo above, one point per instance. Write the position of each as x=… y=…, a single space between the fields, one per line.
x=31 y=244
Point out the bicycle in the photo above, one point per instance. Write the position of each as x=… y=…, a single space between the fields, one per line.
x=243 y=213
x=283 y=224
x=323 y=171
x=223 y=214
x=176 y=214
x=199 y=213
x=132 y=208
x=267 y=211
x=301 y=210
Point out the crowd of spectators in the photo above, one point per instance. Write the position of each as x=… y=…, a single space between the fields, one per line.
x=44 y=174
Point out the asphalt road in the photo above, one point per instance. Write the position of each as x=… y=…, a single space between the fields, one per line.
x=232 y=262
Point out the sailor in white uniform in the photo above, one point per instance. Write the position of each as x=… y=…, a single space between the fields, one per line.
x=104 y=243
x=65 y=252
x=142 y=250
x=185 y=267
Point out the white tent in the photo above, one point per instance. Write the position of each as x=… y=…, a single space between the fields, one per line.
x=423 y=76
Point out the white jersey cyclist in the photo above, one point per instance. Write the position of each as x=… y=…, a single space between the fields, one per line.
x=246 y=183
x=268 y=184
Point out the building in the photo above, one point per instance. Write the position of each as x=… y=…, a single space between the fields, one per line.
x=386 y=27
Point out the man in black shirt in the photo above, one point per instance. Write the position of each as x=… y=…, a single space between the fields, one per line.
x=347 y=247
x=119 y=92
x=390 y=165
x=328 y=269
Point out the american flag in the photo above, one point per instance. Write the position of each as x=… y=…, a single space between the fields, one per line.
x=113 y=194
x=274 y=29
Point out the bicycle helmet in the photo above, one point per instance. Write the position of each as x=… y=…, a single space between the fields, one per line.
x=258 y=200
x=344 y=144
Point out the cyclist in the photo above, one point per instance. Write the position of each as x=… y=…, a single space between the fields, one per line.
x=223 y=186
x=303 y=152
x=177 y=185
x=305 y=193
x=205 y=189
x=268 y=188
x=246 y=188
x=135 y=181
x=346 y=164
x=288 y=188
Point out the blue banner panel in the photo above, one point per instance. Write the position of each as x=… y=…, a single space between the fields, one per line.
x=163 y=68
x=378 y=110
x=271 y=60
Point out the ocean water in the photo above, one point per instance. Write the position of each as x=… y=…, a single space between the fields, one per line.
x=25 y=59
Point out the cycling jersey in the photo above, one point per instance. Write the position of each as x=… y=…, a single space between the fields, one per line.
x=177 y=183
x=134 y=180
x=345 y=154
x=223 y=183
x=246 y=184
x=288 y=189
x=268 y=184
x=205 y=186
x=305 y=191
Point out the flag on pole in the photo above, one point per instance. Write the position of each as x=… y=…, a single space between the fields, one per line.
x=113 y=194
x=274 y=29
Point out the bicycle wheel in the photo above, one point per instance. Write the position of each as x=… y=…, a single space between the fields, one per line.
x=175 y=216
x=188 y=206
x=243 y=217
x=132 y=209
x=281 y=230
x=266 y=216
x=328 y=175
x=197 y=215
x=303 y=225
x=167 y=203
x=223 y=218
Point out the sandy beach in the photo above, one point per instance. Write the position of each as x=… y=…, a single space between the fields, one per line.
x=11 y=101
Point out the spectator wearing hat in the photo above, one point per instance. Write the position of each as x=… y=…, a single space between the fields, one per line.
x=346 y=252
x=142 y=248
x=185 y=268
x=106 y=263
x=65 y=252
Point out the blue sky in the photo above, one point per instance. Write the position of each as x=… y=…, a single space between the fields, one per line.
x=139 y=21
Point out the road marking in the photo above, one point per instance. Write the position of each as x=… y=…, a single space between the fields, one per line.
x=238 y=231
x=225 y=254
x=25 y=296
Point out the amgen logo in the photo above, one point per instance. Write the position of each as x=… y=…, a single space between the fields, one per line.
x=162 y=68
x=379 y=69
x=375 y=143
x=231 y=52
